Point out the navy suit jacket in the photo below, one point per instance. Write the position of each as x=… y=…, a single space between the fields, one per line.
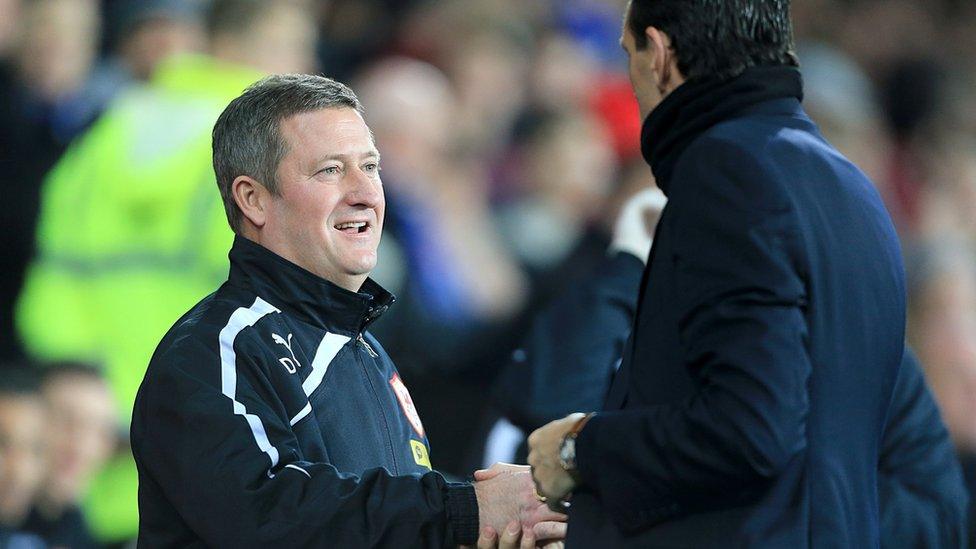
x=750 y=404
x=565 y=364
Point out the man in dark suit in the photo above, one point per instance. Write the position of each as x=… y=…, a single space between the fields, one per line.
x=750 y=404
x=567 y=358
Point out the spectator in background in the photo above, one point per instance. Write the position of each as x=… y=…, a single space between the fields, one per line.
x=443 y=210
x=46 y=50
x=57 y=49
x=913 y=92
x=488 y=69
x=355 y=31
x=567 y=171
x=841 y=99
x=52 y=91
x=22 y=451
x=145 y=32
x=454 y=277
x=568 y=353
x=81 y=432
x=142 y=33
x=9 y=17
x=131 y=233
x=949 y=203
x=942 y=326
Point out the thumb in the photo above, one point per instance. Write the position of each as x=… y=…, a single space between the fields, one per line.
x=484 y=474
x=497 y=469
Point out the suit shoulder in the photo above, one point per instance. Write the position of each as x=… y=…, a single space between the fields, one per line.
x=751 y=138
x=731 y=163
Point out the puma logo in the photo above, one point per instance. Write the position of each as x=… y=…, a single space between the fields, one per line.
x=290 y=364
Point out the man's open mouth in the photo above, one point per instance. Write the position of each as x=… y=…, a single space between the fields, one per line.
x=353 y=227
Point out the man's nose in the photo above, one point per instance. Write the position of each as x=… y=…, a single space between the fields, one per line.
x=364 y=190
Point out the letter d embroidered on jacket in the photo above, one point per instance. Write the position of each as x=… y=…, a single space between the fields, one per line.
x=290 y=364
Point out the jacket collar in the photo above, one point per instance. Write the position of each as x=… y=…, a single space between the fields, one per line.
x=700 y=104
x=303 y=294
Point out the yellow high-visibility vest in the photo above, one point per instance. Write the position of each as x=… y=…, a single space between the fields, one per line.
x=132 y=233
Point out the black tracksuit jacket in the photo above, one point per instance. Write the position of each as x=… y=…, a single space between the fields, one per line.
x=268 y=415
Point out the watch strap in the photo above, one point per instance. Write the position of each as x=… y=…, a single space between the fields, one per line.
x=571 y=467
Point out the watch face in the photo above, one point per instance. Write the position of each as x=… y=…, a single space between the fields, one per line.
x=567 y=452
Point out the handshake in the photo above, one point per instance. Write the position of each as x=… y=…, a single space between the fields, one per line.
x=512 y=499
x=511 y=513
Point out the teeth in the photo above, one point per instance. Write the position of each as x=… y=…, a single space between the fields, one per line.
x=351 y=225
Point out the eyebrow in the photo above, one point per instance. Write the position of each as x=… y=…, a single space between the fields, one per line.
x=339 y=156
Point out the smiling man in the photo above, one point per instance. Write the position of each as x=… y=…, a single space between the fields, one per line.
x=268 y=413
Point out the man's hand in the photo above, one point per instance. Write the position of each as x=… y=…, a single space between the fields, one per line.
x=550 y=478
x=545 y=535
x=506 y=495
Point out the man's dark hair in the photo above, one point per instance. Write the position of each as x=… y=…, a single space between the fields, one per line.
x=718 y=38
x=247 y=138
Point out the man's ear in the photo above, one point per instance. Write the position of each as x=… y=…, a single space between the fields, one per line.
x=252 y=198
x=663 y=60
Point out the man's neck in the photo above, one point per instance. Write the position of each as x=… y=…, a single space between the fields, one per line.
x=353 y=283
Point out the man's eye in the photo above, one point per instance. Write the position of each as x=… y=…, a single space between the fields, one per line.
x=372 y=167
x=331 y=170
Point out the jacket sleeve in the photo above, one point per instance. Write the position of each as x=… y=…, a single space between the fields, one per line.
x=739 y=299
x=565 y=362
x=921 y=489
x=224 y=455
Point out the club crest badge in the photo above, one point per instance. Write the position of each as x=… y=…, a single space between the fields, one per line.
x=406 y=403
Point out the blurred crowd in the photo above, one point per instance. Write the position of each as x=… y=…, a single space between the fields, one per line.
x=509 y=137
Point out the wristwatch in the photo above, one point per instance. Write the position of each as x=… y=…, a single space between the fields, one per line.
x=567 y=450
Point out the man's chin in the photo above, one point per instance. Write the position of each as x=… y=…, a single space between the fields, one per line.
x=361 y=268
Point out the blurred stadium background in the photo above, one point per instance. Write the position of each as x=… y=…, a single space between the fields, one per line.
x=509 y=137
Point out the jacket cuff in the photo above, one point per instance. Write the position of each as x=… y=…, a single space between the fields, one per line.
x=462 y=512
x=587 y=460
x=633 y=511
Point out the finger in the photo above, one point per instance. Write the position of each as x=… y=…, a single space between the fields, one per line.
x=510 y=537
x=488 y=538
x=484 y=474
x=543 y=513
x=489 y=473
x=528 y=539
x=554 y=545
x=498 y=468
x=549 y=531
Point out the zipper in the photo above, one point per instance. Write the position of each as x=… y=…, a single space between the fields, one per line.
x=381 y=408
x=369 y=349
x=372 y=314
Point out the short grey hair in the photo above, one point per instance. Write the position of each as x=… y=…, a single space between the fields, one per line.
x=247 y=138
